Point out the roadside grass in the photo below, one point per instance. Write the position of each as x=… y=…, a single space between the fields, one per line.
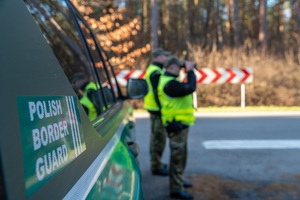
x=249 y=109
x=245 y=109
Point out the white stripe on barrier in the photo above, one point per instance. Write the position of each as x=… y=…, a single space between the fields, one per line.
x=203 y=75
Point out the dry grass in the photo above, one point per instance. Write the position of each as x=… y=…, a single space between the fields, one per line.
x=211 y=187
x=276 y=80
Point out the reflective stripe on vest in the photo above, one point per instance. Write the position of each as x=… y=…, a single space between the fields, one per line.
x=149 y=100
x=175 y=108
x=88 y=103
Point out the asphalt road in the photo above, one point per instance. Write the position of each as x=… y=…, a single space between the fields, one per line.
x=237 y=153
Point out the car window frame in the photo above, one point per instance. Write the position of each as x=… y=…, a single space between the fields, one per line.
x=100 y=52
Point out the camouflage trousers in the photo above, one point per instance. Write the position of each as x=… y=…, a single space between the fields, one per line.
x=178 y=158
x=157 y=141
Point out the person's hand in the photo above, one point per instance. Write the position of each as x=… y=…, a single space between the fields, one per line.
x=189 y=65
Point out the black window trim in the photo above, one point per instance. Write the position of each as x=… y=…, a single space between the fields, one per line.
x=100 y=51
x=87 y=50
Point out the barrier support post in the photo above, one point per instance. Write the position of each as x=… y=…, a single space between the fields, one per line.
x=195 y=102
x=243 y=95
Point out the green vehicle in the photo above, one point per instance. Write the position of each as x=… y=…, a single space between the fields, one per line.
x=67 y=131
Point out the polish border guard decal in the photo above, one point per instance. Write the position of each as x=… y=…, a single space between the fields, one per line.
x=52 y=137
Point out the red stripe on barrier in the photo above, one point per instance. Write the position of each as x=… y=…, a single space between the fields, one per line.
x=117 y=73
x=128 y=75
x=218 y=75
x=203 y=76
x=142 y=74
x=232 y=75
x=246 y=75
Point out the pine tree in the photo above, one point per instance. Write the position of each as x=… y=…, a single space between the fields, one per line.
x=117 y=28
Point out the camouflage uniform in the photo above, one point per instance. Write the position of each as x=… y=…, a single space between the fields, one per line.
x=157 y=142
x=177 y=115
x=152 y=105
x=178 y=158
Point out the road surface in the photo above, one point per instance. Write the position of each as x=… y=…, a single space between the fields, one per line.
x=233 y=156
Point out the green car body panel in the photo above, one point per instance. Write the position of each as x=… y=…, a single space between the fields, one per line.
x=49 y=149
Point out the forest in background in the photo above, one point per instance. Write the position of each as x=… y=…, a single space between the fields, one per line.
x=262 y=34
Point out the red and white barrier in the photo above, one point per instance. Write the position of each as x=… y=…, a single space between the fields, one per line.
x=203 y=75
x=221 y=75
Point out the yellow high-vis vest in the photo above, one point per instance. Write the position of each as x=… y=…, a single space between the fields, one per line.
x=149 y=100
x=175 y=108
x=88 y=103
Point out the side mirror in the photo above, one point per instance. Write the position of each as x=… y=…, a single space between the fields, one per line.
x=136 y=88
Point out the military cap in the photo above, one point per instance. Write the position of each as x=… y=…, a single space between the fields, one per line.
x=160 y=51
x=173 y=60
x=78 y=76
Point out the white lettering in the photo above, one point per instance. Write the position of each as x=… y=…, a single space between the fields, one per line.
x=44 y=109
x=44 y=136
x=40 y=169
x=54 y=110
x=36 y=139
x=40 y=110
x=66 y=128
x=49 y=162
x=56 y=130
x=48 y=134
x=54 y=159
x=61 y=128
x=58 y=107
x=59 y=156
x=32 y=109
x=47 y=114
x=50 y=107
x=65 y=152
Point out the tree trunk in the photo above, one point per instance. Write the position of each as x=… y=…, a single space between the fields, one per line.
x=145 y=17
x=209 y=20
x=228 y=25
x=154 y=24
x=186 y=20
x=298 y=16
x=219 y=26
x=211 y=26
x=243 y=15
x=236 y=24
x=263 y=25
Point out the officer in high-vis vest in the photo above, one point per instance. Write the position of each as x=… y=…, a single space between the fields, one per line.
x=177 y=115
x=87 y=95
x=152 y=105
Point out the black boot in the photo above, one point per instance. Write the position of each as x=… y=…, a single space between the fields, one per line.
x=163 y=171
x=181 y=195
x=187 y=184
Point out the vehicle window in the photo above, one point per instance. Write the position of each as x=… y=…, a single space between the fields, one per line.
x=111 y=76
x=59 y=29
x=99 y=65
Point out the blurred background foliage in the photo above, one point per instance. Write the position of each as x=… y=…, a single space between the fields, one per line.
x=262 y=34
